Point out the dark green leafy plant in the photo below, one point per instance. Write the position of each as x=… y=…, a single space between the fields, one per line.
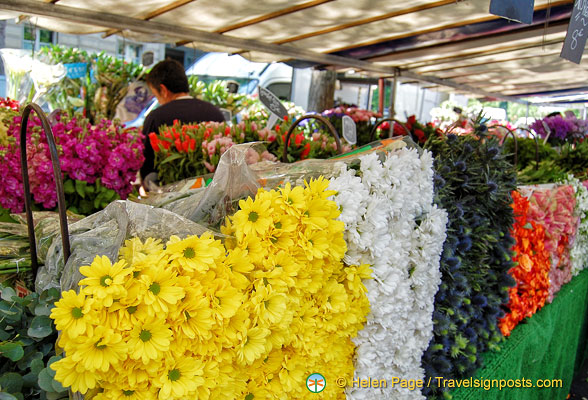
x=473 y=182
x=27 y=337
x=87 y=198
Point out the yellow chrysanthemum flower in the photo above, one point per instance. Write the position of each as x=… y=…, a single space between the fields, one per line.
x=255 y=250
x=317 y=188
x=72 y=313
x=149 y=339
x=102 y=349
x=253 y=217
x=160 y=290
x=105 y=281
x=194 y=253
x=253 y=344
x=294 y=200
x=224 y=299
x=180 y=378
x=135 y=247
x=72 y=374
x=194 y=317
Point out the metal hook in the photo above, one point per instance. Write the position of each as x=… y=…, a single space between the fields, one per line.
x=322 y=119
x=536 y=137
x=27 y=189
x=391 y=134
x=514 y=137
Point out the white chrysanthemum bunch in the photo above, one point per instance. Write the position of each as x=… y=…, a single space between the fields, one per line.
x=579 y=251
x=392 y=224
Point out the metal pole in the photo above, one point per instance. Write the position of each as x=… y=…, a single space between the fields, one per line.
x=392 y=113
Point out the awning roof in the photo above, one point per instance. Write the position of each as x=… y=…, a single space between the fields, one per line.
x=443 y=42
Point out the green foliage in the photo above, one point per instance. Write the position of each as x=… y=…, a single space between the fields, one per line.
x=99 y=92
x=217 y=93
x=86 y=198
x=555 y=163
x=27 y=337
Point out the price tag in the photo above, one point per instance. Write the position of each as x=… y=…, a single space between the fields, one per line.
x=76 y=70
x=577 y=30
x=274 y=105
x=349 y=130
x=517 y=10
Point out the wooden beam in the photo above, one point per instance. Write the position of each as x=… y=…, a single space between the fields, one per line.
x=155 y=13
x=367 y=20
x=115 y=21
x=440 y=28
x=273 y=15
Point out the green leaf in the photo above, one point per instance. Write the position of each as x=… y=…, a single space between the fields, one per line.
x=68 y=187
x=43 y=309
x=12 y=351
x=37 y=365
x=45 y=380
x=50 y=295
x=174 y=156
x=11 y=382
x=7 y=396
x=81 y=188
x=7 y=293
x=40 y=327
x=30 y=380
x=57 y=387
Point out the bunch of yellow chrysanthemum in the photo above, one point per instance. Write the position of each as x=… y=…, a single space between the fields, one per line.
x=200 y=320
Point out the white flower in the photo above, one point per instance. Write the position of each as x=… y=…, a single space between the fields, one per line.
x=396 y=229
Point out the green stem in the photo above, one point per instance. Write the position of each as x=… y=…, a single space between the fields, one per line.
x=15 y=270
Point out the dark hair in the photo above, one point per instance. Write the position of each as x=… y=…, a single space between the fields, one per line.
x=169 y=73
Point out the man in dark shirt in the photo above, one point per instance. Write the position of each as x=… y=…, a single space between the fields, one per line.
x=168 y=82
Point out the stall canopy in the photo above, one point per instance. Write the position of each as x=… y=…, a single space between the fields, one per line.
x=447 y=43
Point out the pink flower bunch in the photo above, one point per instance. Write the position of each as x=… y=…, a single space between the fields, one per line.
x=214 y=149
x=554 y=209
x=106 y=151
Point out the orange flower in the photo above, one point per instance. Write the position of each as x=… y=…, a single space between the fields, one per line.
x=532 y=270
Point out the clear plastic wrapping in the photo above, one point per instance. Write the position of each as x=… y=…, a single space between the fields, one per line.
x=104 y=233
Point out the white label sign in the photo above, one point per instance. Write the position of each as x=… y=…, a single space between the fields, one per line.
x=349 y=130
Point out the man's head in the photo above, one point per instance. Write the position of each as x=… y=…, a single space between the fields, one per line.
x=167 y=79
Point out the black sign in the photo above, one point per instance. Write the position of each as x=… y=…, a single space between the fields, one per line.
x=147 y=58
x=272 y=103
x=517 y=10
x=577 y=30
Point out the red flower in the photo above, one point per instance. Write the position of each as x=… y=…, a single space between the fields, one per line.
x=305 y=152
x=185 y=145
x=154 y=141
x=178 y=145
x=420 y=135
x=285 y=118
x=298 y=139
x=227 y=131
x=192 y=144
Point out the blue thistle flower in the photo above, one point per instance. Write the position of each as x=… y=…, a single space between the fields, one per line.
x=460 y=166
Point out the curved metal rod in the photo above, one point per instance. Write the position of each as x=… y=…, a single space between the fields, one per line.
x=514 y=137
x=536 y=137
x=27 y=189
x=322 y=119
x=391 y=134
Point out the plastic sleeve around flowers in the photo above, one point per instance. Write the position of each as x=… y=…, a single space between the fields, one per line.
x=104 y=233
